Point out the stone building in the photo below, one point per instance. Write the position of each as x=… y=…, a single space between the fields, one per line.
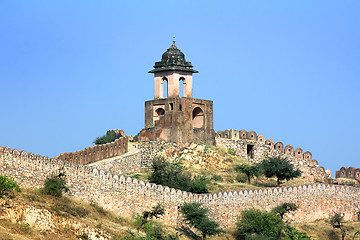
x=171 y=117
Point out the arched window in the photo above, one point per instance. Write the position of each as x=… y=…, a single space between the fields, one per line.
x=198 y=118
x=165 y=87
x=182 y=85
x=158 y=113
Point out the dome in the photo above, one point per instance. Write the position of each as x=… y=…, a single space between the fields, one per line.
x=173 y=59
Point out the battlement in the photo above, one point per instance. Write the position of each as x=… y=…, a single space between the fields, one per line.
x=124 y=195
x=98 y=152
x=350 y=172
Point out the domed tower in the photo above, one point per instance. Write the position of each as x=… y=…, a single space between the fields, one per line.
x=171 y=117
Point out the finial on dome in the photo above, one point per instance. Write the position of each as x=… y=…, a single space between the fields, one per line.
x=174 y=39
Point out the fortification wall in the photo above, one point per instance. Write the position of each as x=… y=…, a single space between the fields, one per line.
x=126 y=196
x=129 y=163
x=255 y=148
x=97 y=152
x=350 y=172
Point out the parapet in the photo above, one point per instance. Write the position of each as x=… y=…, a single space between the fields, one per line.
x=350 y=172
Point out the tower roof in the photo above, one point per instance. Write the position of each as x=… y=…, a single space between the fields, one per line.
x=173 y=59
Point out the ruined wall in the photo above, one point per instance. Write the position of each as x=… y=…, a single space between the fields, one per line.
x=351 y=172
x=97 y=152
x=255 y=148
x=126 y=196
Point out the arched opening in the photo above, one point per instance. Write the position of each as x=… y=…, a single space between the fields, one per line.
x=182 y=87
x=198 y=118
x=165 y=87
x=158 y=113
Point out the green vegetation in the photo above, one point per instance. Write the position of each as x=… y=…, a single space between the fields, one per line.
x=55 y=185
x=285 y=208
x=356 y=233
x=7 y=184
x=232 y=151
x=257 y=222
x=110 y=136
x=196 y=216
x=279 y=167
x=294 y=234
x=174 y=175
x=336 y=221
x=248 y=170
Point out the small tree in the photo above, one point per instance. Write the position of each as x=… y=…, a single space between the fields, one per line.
x=55 y=185
x=249 y=170
x=285 y=208
x=110 y=136
x=255 y=221
x=7 y=184
x=337 y=222
x=197 y=217
x=156 y=212
x=279 y=167
x=199 y=184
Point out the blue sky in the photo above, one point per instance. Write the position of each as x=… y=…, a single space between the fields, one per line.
x=290 y=70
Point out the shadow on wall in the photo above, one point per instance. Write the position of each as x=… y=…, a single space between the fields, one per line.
x=351 y=172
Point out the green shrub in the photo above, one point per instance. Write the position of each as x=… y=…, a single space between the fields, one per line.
x=199 y=184
x=174 y=175
x=55 y=185
x=248 y=170
x=110 y=136
x=294 y=234
x=255 y=221
x=7 y=184
x=285 y=208
x=241 y=177
x=231 y=151
x=279 y=167
x=197 y=217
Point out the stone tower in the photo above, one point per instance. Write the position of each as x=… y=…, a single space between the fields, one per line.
x=171 y=117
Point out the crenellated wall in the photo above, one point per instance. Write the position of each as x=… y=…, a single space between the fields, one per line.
x=98 y=152
x=350 y=172
x=255 y=148
x=126 y=196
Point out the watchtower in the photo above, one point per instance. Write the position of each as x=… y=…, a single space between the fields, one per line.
x=170 y=116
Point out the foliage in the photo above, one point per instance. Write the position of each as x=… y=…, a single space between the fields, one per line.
x=279 y=167
x=260 y=222
x=110 y=136
x=7 y=184
x=174 y=175
x=336 y=221
x=249 y=170
x=231 y=151
x=98 y=208
x=241 y=177
x=294 y=234
x=55 y=185
x=197 y=217
x=199 y=184
x=152 y=229
x=285 y=208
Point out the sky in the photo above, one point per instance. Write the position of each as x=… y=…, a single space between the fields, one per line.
x=290 y=70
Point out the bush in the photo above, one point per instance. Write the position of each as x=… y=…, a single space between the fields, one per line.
x=294 y=234
x=231 y=151
x=197 y=217
x=7 y=184
x=110 y=136
x=174 y=175
x=241 y=177
x=55 y=185
x=279 y=167
x=285 y=208
x=254 y=221
x=248 y=170
x=199 y=184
